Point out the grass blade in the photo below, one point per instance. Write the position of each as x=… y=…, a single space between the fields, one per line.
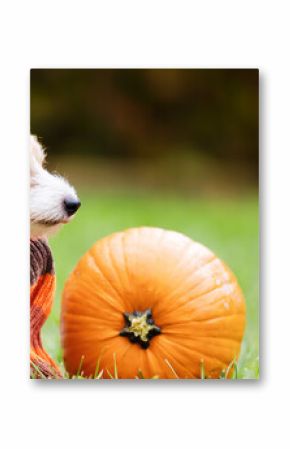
x=171 y=367
x=79 y=372
x=115 y=366
x=96 y=374
x=202 y=370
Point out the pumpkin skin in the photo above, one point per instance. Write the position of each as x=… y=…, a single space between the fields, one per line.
x=194 y=298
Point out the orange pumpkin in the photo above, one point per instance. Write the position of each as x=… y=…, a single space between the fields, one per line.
x=151 y=301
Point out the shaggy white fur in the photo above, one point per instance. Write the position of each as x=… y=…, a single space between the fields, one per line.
x=48 y=194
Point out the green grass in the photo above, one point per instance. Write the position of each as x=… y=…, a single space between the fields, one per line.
x=227 y=226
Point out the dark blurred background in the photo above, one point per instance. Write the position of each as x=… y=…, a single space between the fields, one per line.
x=190 y=129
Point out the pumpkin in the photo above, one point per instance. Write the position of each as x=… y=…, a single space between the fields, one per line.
x=154 y=302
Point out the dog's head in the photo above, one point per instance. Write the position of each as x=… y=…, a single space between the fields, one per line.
x=52 y=200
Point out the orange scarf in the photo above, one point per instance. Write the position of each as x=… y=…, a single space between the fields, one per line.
x=42 y=288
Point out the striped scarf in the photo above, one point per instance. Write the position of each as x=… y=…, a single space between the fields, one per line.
x=42 y=288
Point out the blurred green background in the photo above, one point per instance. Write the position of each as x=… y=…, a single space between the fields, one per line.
x=175 y=148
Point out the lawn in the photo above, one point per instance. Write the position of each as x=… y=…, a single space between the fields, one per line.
x=227 y=226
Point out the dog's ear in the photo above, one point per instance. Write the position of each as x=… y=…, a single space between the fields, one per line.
x=37 y=150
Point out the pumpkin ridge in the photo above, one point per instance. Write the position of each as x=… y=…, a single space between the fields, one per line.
x=195 y=351
x=124 y=353
x=236 y=340
x=115 y=269
x=213 y=302
x=92 y=327
x=126 y=238
x=180 y=329
x=218 y=318
x=141 y=230
x=147 y=357
x=100 y=270
x=88 y=340
x=178 y=335
x=187 y=301
x=158 y=361
x=112 y=259
x=82 y=347
x=83 y=315
x=166 y=353
x=92 y=304
x=179 y=266
x=192 y=320
x=123 y=237
x=194 y=273
x=176 y=291
x=217 y=345
x=120 y=352
x=181 y=340
x=177 y=364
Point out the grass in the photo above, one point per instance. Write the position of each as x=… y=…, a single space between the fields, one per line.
x=228 y=226
x=231 y=372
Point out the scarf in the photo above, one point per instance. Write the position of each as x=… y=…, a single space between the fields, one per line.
x=42 y=288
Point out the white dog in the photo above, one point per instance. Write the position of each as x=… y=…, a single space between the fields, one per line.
x=53 y=201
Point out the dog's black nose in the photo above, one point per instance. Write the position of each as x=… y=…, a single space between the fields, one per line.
x=71 y=205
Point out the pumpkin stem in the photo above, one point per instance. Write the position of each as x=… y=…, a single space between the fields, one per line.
x=140 y=327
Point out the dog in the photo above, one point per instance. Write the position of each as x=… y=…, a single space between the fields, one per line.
x=53 y=201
